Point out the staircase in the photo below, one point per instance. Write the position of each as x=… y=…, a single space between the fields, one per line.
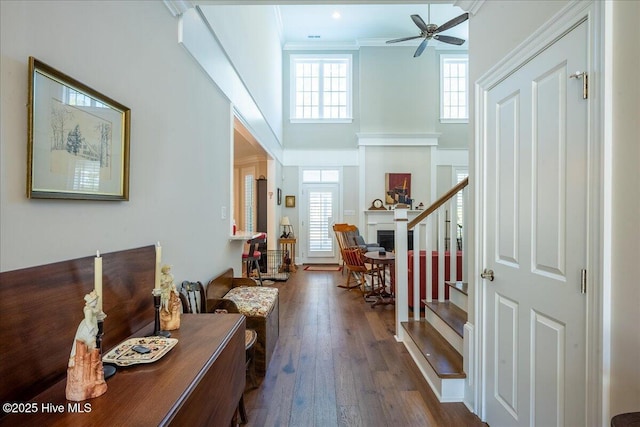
x=436 y=337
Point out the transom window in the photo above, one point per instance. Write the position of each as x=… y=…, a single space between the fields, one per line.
x=320 y=175
x=454 y=93
x=320 y=88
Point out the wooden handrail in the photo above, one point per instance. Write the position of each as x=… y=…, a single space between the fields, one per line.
x=435 y=205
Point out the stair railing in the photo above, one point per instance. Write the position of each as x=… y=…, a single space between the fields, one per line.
x=427 y=226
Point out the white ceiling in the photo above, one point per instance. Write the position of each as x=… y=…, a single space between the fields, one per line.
x=362 y=24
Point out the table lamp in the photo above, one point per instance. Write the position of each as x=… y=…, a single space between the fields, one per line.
x=287 y=229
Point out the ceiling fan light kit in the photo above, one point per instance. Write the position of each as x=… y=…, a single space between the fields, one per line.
x=431 y=31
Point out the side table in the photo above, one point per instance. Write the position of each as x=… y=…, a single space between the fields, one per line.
x=288 y=246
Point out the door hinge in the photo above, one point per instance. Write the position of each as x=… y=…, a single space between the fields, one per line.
x=585 y=82
x=583 y=281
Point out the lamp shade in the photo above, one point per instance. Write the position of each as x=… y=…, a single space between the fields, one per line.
x=285 y=221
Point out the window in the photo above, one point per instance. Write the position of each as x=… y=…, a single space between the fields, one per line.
x=320 y=209
x=320 y=175
x=454 y=93
x=320 y=88
x=248 y=202
x=460 y=175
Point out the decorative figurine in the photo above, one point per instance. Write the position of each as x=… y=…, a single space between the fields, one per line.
x=169 y=302
x=85 y=375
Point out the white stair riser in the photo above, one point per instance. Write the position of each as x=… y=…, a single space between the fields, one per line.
x=445 y=389
x=458 y=298
x=445 y=330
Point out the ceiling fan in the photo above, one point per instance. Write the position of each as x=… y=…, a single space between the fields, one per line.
x=431 y=31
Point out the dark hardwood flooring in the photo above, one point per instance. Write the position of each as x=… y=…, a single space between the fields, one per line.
x=337 y=364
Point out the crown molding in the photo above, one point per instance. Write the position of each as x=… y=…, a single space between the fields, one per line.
x=178 y=7
x=471 y=6
x=373 y=42
x=321 y=46
x=398 y=139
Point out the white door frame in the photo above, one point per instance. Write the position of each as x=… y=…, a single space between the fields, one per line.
x=561 y=23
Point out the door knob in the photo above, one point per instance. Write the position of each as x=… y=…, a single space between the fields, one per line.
x=487 y=274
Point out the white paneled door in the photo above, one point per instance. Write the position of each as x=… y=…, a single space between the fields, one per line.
x=319 y=211
x=535 y=223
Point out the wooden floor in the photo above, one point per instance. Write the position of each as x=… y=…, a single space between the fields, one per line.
x=337 y=364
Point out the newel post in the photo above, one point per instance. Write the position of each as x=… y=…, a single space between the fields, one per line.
x=402 y=270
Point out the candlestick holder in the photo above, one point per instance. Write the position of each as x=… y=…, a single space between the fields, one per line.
x=156 y=327
x=109 y=370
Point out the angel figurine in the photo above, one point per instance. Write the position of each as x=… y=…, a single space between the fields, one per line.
x=85 y=375
x=169 y=301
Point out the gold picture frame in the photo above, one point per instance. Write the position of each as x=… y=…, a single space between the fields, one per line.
x=78 y=139
x=290 y=201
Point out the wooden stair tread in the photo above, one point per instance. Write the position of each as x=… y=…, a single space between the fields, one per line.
x=443 y=358
x=450 y=313
x=461 y=287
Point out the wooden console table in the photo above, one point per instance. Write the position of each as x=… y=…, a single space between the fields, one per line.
x=198 y=383
x=289 y=245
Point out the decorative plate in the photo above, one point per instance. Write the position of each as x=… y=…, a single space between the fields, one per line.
x=124 y=355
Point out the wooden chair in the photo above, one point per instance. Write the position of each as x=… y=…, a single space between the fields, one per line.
x=252 y=256
x=358 y=268
x=194 y=300
x=348 y=236
x=193 y=297
x=344 y=236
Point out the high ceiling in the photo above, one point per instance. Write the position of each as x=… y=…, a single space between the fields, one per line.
x=334 y=24
x=363 y=24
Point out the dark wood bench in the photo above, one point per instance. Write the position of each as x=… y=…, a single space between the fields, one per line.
x=241 y=295
x=40 y=309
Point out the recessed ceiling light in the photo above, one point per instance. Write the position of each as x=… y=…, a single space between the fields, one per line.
x=336 y=15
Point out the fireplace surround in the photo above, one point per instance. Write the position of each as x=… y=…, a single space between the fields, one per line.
x=386 y=239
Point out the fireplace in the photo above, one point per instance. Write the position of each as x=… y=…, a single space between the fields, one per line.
x=386 y=239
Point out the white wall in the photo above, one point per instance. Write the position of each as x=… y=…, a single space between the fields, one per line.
x=625 y=288
x=383 y=160
x=249 y=36
x=397 y=90
x=180 y=138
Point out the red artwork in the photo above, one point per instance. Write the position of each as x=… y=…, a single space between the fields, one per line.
x=398 y=188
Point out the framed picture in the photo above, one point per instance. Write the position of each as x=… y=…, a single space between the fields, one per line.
x=78 y=139
x=398 y=188
x=290 y=201
x=279 y=197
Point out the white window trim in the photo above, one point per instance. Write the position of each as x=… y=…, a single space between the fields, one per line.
x=292 y=86
x=443 y=58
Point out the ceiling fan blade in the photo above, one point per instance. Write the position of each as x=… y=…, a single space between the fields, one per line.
x=403 y=39
x=453 y=22
x=449 y=39
x=421 y=48
x=419 y=22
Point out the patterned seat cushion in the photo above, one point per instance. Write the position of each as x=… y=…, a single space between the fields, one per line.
x=253 y=301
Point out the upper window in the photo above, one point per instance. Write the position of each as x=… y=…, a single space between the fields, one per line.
x=320 y=175
x=454 y=92
x=320 y=88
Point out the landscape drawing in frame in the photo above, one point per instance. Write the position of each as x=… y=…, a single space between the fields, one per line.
x=78 y=139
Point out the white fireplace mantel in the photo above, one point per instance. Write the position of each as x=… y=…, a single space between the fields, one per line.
x=382 y=220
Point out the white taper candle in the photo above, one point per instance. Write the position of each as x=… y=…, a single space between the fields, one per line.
x=158 y=262
x=97 y=278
